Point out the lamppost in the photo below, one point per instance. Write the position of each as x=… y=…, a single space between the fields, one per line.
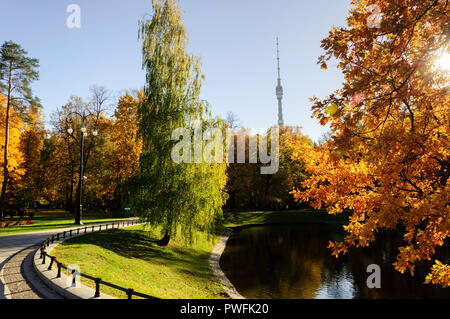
x=84 y=133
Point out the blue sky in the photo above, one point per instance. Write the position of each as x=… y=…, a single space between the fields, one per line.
x=236 y=40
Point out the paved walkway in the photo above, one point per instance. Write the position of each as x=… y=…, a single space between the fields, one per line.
x=14 y=279
x=15 y=274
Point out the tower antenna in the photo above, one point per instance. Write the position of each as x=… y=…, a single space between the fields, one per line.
x=279 y=89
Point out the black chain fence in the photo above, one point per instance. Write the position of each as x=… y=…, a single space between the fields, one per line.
x=98 y=281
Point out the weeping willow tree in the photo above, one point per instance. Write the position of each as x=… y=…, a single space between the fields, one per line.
x=181 y=198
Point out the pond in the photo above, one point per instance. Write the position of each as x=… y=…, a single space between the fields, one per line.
x=293 y=262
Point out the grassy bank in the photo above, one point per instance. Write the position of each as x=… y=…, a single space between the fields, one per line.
x=242 y=219
x=53 y=219
x=129 y=258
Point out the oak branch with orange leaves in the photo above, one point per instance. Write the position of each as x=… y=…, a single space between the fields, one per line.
x=388 y=158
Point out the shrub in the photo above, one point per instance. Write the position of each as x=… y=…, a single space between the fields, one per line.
x=16 y=223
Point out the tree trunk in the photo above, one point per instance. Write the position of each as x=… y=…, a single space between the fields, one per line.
x=164 y=241
x=265 y=202
x=5 y=163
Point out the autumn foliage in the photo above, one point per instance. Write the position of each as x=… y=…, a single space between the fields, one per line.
x=16 y=157
x=389 y=156
x=123 y=147
x=249 y=189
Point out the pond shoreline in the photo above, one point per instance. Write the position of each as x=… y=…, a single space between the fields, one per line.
x=242 y=220
x=291 y=260
x=242 y=227
x=261 y=219
x=214 y=261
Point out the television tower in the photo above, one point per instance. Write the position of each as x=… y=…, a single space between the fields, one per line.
x=279 y=91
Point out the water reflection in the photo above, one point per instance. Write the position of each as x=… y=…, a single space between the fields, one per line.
x=293 y=262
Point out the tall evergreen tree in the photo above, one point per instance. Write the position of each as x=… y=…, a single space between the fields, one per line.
x=17 y=71
x=184 y=197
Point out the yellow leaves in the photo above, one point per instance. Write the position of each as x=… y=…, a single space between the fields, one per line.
x=31 y=145
x=15 y=156
x=393 y=139
x=123 y=146
x=439 y=275
x=332 y=109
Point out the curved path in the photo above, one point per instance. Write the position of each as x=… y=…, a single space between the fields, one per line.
x=17 y=274
x=18 y=279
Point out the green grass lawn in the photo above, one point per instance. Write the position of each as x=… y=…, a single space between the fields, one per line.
x=129 y=258
x=53 y=219
x=236 y=219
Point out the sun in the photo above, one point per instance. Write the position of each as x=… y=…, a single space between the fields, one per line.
x=443 y=63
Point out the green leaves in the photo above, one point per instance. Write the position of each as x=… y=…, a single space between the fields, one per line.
x=166 y=193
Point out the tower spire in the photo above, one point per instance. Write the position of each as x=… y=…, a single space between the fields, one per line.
x=279 y=90
x=278 y=61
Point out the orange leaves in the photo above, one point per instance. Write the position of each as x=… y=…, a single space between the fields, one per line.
x=440 y=274
x=389 y=156
x=405 y=259
x=15 y=155
x=124 y=146
x=31 y=145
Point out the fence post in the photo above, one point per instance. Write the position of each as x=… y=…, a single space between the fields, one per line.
x=130 y=293
x=53 y=239
x=51 y=262
x=78 y=231
x=57 y=236
x=100 y=227
x=97 y=287
x=71 y=233
x=59 y=270
x=74 y=274
x=64 y=234
x=93 y=228
x=85 y=230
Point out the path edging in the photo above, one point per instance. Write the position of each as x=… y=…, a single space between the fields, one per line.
x=29 y=274
x=5 y=292
x=214 y=261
